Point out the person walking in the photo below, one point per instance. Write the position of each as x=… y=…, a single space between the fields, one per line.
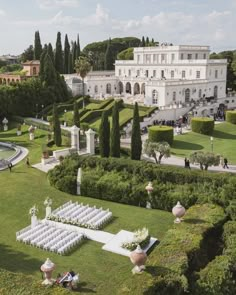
x=9 y=166
x=27 y=162
x=225 y=163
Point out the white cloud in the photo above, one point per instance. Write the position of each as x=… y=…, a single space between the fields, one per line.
x=49 y=4
x=2 y=12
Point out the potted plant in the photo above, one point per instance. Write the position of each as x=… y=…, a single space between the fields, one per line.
x=18 y=132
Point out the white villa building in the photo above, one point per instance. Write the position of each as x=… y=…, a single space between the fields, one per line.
x=159 y=76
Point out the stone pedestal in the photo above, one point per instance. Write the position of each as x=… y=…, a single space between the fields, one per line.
x=31 y=136
x=5 y=127
x=90 y=134
x=79 y=175
x=75 y=137
x=48 y=211
x=48 y=268
x=18 y=132
x=34 y=221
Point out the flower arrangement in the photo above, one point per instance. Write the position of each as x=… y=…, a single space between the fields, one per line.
x=48 y=202
x=141 y=238
x=33 y=211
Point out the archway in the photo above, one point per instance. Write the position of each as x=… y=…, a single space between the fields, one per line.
x=128 y=88
x=215 y=92
x=187 y=95
x=136 y=88
x=108 y=88
x=143 y=88
x=120 y=88
x=154 y=97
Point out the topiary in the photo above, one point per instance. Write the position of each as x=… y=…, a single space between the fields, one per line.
x=231 y=116
x=161 y=133
x=202 y=125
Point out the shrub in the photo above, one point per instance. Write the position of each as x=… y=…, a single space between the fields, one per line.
x=231 y=210
x=216 y=278
x=161 y=133
x=231 y=117
x=202 y=125
x=229 y=236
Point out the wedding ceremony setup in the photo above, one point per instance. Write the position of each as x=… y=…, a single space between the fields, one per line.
x=65 y=228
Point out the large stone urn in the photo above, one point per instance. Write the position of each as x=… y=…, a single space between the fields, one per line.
x=48 y=268
x=178 y=211
x=31 y=132
x=5 y=122
x=138 y=257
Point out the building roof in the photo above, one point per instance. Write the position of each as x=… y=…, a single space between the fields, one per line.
x=31 y=62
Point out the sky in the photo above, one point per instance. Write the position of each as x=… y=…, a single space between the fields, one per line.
x=198 y=22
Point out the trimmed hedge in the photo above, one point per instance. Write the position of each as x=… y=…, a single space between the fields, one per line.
x=202 y=125
x=230 y=241
x=231 y=117
x=182 y=251
x=161 y=133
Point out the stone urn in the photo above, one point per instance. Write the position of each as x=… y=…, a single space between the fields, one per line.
x=31 y=132
x=5 y=122
x=138 y=257
x=48 y=268
x=178 y=211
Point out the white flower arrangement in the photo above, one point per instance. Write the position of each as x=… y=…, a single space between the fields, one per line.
x=33 y=211
x=48 y=202
x=141 y=237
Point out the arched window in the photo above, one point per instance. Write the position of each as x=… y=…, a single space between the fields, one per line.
x=34 y=71
x=120 y=88
x=154 y=97
x=136 y=89
x=128 y=88
x=187 y=95
x=215 y=92
x=108 y=88
x=174 y=96
x=96 y=89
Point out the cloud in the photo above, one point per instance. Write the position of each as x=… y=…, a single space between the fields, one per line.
x=49 y=4
x=2 y=12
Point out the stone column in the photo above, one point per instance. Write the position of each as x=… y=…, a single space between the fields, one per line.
x=79 y=176
x=75 y=137
x=90 y=134
x=34 y=221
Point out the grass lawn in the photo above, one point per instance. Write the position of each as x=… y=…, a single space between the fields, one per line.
x=100 y=271
x=224 y=142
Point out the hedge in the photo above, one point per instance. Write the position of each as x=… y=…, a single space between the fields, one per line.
x=216 y=278
x=182 y=251
x=231 y=117
x=202 y=125
x=230 y=241
x=161 y=133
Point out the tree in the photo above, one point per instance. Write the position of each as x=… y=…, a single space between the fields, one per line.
x=73 y=55
x=78 y=51
x=56 y=126
x=205 y=159
x=104 y=136
x=143 y=42
x=152 y=148
x=50 y=52
x=58 y=54
x=147 y=41
x=136 y=141
x=108 y=57
x=70 y=69
x=66 y=55
x=82 y=67
x=115 y=132
x=42 y=61
x=28 y=54
x=37 y=46
x=76 y=117
x=49 y=73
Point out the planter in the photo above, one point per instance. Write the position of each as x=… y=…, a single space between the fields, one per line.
x=138 y=257
x=18 y=132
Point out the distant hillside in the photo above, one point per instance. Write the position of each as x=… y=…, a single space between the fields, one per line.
x=96 y=50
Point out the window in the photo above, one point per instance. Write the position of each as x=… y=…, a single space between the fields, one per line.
x=183 y=74
x=34 y=71
x=119 y=72
x=189 y=56
x=108 y=88
x=96 y=89
x=146 y=73
x=182 y=56
x=172 y=57
x=216 y=74
x=198 y=74
x=196 y=55
x=174 y=96
x=154 y=73
x=129 y=72
x=204 y=56
x=148 y=58
x=172 y=74
x=154 y=97
x=162 y=74
x=163 y=58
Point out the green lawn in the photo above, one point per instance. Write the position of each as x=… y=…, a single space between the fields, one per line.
x=100 y=271
x=224 y=142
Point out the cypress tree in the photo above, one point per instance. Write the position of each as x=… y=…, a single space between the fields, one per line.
x=143 y=42
x=37 y=46
x=115 y=132
x=58 y=55
x=66 y=55
x=76 y=117
x=42 y=61
x=56 y=126
x=147 y=41
x=70 y=70
x=50 y=52
x=78 y=48
x=104 y=136
x=49 y=73
x=108 y=65
x=136 y=141
x=73 y=56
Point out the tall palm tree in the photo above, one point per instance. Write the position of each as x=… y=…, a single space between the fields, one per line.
x=82 y=67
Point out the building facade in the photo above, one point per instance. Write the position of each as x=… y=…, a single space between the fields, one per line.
x=163 y=75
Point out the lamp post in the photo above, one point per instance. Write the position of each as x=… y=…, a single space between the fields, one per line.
x=212 y=139
x=65 y=118
x=42 y=110
x=149 y=189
